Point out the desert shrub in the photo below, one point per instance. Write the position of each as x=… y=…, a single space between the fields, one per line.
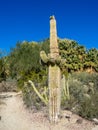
x=83 y=88
x=88 y=108
x=30 y=97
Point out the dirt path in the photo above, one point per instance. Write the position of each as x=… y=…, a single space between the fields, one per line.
x=14 y=116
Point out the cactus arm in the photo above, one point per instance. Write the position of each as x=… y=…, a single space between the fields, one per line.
x=44 y=57
x=36 y=91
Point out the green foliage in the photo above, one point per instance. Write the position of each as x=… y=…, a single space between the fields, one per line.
x=77 y=57
x=4 y=73
x=24 y=64
x=44 y=45
x=31 y=98
x=4 y=68
x=24 y=58
x=83 y=88
x=88 y=107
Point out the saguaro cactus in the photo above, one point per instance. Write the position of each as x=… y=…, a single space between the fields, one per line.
x=53 y=60
x=54 y=75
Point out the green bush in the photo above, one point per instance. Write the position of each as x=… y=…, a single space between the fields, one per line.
x=31 y=98
x=83 y=88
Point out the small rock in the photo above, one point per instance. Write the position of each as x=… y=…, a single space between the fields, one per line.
x=95 y=121
x=60 y=116
x=68 y=117
x=79 y=121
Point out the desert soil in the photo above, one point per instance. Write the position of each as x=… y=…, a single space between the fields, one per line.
x=15 y=116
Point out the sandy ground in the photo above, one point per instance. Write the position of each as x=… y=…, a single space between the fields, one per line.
x=14 y=116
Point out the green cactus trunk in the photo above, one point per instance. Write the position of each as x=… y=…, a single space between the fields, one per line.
x=54 y=93
x=54 y=77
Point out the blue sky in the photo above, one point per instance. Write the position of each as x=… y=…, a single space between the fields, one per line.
x=29 y=20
